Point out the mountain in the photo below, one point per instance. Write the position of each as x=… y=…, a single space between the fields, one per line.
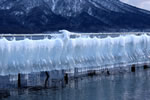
x=31 y=16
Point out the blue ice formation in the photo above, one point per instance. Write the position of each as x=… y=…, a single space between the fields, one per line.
x=27 y=56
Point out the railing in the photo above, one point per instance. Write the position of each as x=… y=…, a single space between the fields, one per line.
x=73 y=34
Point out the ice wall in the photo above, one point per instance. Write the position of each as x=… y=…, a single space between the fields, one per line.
x=26 y=56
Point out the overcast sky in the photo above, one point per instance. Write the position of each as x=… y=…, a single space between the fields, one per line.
x=145 y=4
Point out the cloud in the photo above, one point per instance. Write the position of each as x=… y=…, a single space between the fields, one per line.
x=144 y=4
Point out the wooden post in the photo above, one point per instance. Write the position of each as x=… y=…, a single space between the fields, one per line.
x=75 y=72
x=92 y=73
x=66 y=78
x=145 y=66
x=46 y=81
x=133 y=68
x=108 y=73
x=19 y=80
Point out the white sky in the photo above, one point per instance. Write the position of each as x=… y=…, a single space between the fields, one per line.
x=145 y=4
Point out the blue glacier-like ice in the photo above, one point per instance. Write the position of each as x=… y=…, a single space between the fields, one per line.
x=26 y=56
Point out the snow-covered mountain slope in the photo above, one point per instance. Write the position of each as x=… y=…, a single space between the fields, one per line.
x=74 y=15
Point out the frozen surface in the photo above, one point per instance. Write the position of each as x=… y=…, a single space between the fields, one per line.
x=26 y=56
